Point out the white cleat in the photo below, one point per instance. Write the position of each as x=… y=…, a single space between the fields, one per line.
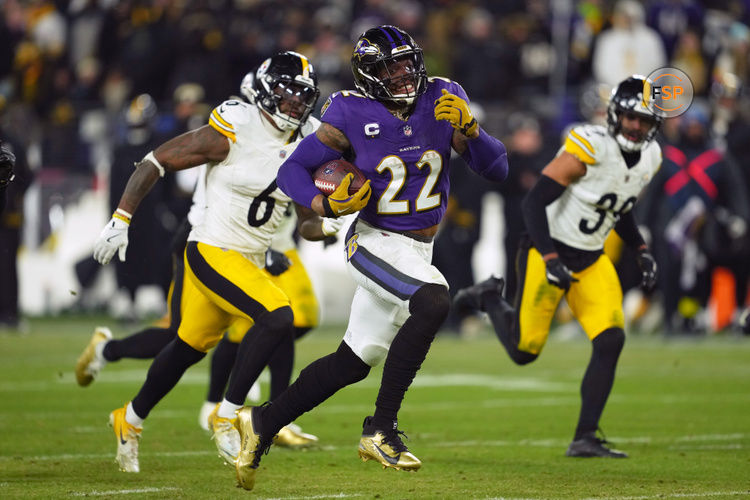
x=292 y=436
x=225 y=435
x=128 y=437
x=91 y=362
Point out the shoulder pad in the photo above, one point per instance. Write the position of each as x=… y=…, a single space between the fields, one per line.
x=310 y=126
x=339 y=99
x=654 y=150
x=585 y=143
x=227 y=116
x=431 y=79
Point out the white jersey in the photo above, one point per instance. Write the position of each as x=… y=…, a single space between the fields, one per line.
x=198 y=208
x=584 y=214
x=283 y=239
x=243 y=204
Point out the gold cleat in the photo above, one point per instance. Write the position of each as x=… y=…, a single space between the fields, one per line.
x=291 y=436
x=252 y=448
x=387 y=448
x=89 y=364
x=128 y=437
x=225 y=435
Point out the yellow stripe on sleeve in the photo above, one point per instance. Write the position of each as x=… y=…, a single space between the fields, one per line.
x=584 y=143
x=577 y=150
x=223 y=131
x=216 y=116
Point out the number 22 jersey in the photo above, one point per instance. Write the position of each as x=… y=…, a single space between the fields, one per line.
x=406 y=160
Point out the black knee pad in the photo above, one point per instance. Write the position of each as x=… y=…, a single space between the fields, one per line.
x=348 y=367
x=431 y=304
x=609 y=342
x=280 y=320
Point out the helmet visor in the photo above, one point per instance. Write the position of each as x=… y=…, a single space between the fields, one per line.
x=295 y=100
x=400 y=75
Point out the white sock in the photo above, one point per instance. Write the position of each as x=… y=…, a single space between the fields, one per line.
x=227 y=409
x=99 y=353
x=131 y=417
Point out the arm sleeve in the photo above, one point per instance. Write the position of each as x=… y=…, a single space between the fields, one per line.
x=294 y=177
x=627 y=229
x=487 y=156
x=534 y=208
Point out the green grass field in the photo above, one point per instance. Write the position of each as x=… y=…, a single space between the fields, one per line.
x=483 y=427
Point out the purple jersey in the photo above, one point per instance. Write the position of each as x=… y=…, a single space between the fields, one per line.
x=406 y=161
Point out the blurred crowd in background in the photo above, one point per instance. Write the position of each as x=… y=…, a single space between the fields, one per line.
x=88 y=87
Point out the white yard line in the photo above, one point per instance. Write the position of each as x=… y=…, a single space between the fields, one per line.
x=88 y=456
x=334 y=495
x=132 y=491
x=705 y=494
x=542 y=443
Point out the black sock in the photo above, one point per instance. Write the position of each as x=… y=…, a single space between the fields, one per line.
x=166 y=370
x=598 y=380
x=145 y=344
x=429 y=307
x=256 y=349
x=505 y=323
x=280 y=365
x=316 y=383
x=222 y=361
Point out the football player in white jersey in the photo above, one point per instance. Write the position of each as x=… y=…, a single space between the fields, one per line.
x=587 y=190
x=243 y=145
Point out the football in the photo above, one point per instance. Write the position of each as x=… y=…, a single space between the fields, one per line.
x=328 y=176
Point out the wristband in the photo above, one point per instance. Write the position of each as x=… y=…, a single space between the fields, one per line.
x=150 y=157
x=327 y=208
x=122 y=215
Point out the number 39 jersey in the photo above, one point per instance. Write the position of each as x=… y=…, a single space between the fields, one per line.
x=586 y=212
x=243 y=205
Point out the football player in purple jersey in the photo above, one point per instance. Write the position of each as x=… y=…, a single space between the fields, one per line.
x=398 y=127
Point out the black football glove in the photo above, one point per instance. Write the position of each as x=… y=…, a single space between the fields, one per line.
x=276 y=262
x=7 y=162
x=647 y=263
x=559 y=275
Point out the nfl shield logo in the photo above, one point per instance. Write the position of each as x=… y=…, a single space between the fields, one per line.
x=282 y=153
x=407 y=131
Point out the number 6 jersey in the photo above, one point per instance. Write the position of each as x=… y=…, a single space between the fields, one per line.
x=584 y=214
x=243 y=205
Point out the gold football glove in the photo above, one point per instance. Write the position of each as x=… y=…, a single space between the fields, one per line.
x=340 y=202
x=456 y=111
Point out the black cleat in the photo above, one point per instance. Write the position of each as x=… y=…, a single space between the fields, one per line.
x=592 y=446
x=470 y=299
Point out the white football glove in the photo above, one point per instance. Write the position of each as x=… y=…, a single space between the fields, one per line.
x=331 y=226
x=113 y=238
